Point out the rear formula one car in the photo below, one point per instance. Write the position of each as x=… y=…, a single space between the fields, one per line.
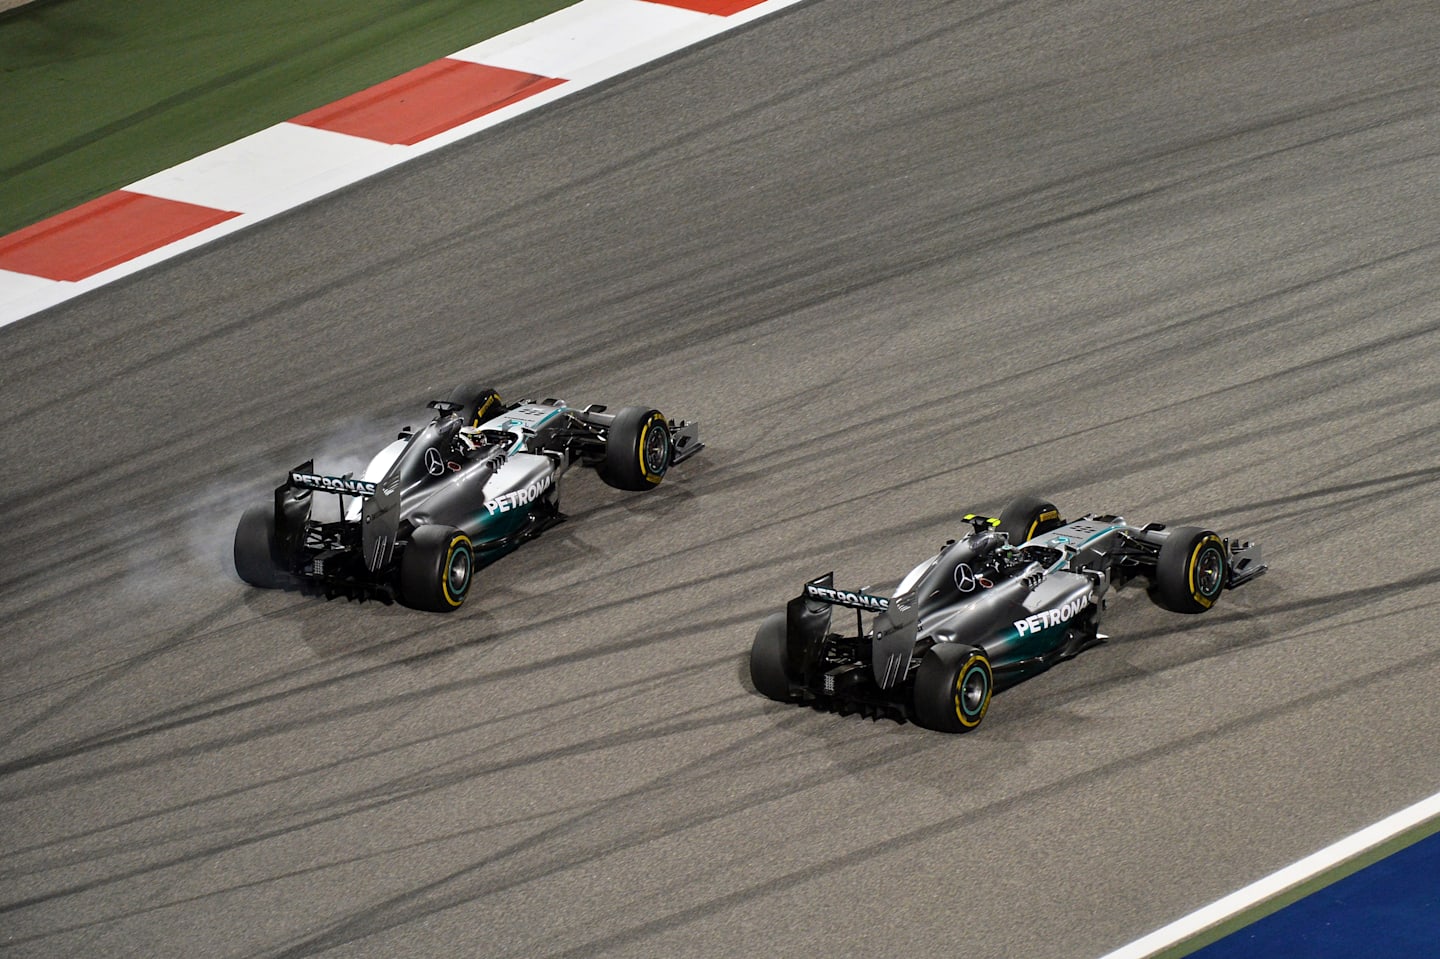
x=437 y=503
x=1015 y=596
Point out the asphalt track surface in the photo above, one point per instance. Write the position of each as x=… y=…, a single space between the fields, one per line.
x=1177 y=261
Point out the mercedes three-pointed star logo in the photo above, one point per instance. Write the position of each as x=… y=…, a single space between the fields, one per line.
x=968 y=581
x=434 y=462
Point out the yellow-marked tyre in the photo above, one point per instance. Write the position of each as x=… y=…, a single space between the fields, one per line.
x=436 y=569
x=1025 y=518
x=952 y=688
x=1191 y=570
x=480 y=403
x=638 y=449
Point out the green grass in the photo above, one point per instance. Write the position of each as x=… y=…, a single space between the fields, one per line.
x=95 y=94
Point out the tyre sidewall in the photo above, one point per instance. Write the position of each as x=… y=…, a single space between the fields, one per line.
x=426 y=565
x=1027 y=517
x=1179 y=582
x=480 y=403
x=653 y=457
x=939 y=701
x=975 y=668
x=638 y=449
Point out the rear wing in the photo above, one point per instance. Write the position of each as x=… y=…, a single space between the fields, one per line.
x=380 y=520
x=305 y=477
x=895 y=626
x=823 y=590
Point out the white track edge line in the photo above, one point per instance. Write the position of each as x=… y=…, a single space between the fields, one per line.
x=1278 y=882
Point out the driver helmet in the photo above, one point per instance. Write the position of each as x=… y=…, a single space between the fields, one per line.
x=470 y=438
x=986 y=540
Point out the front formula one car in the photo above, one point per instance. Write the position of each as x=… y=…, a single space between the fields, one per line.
x=1015 y=596
x=437 y=503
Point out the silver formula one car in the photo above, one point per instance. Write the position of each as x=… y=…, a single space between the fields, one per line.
x=435 y=504
x=1018 y=594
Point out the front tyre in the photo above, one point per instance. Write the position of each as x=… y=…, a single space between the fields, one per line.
x=767 y=660
x=1191 y=570
x=436 y=569
x=638 y=449
x=952 y=688
x=256 y=551
x=478 y=403
x=1025 y=518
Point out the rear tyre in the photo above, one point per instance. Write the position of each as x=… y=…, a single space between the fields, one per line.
x=767 y=660
x=638 y=449
x=436 y=569
x=256 y=551
x=480 y=403
x=1191 y=570
x=1025 y=518
x=952 y=688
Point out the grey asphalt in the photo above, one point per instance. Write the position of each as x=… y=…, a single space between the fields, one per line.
x=902 y=261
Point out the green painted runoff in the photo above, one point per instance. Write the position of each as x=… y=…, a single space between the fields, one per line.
x=95 y=94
